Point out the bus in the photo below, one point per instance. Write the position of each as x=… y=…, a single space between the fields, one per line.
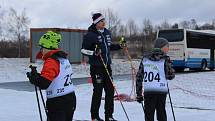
x=193 y=49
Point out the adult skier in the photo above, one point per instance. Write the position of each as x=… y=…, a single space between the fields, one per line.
x=97 y=45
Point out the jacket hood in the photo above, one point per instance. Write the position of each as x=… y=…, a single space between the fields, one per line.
x=55 y=54
x=155 y=54
x=92 y=28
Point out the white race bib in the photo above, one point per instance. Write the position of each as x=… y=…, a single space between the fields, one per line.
x=62 y=84
x=154 y=76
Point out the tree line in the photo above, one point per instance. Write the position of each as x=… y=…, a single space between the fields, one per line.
x=140 y=37
x=14 y=31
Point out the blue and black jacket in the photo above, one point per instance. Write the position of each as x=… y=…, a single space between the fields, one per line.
x=104 y=40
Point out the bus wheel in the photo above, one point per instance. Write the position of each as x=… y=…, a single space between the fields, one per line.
x=203 y=65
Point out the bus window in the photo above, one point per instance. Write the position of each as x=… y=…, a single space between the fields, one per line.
x=200 y=40
x=172 y=35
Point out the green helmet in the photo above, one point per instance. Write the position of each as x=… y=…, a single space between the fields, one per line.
x=50 y=40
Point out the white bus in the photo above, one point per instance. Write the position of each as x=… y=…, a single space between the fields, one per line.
x=192 y=49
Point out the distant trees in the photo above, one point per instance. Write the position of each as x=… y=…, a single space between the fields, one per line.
x=112 y=20
x=18 y=26
x=132 y=28
x=213 y=23
x=140 y=36
x=193 y=24
x=165 y=25
x=1 y=20
x=14 y=29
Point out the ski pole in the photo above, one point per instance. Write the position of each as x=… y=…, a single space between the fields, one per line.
x=133 y=73
x=143 y=108
x=33 y=69
x=105 y=66
x=43 y=101
x=38 y=103
x=171 y=102
x=146 y=117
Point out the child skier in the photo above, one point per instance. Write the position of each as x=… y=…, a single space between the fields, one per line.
x=155 y=69
x=55 y=77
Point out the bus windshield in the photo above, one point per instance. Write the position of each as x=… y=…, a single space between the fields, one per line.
x=172 y=35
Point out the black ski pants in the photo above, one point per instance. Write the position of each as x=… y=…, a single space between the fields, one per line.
x=101 y=80
x=154 y=102
x=61 y=108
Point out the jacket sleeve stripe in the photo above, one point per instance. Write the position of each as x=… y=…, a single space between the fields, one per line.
x=87 y=52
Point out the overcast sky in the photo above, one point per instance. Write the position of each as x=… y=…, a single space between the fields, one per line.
x=77 y=13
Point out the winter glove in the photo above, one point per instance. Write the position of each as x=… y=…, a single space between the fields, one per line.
x=139 y=99
x=33 y=75
x=122 y=42
x=170 y=72
x=97 y=50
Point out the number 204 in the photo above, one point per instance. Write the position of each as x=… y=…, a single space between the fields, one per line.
x=150 y=76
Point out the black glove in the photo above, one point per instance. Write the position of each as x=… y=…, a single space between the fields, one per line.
x=122 y=42
x=33 y=75
x=97 y=50
x=139 y=99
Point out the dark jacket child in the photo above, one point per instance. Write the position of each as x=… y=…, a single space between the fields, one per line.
x=155 y=69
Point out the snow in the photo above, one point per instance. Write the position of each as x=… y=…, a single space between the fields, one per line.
x=191 y=90
x=19 y=67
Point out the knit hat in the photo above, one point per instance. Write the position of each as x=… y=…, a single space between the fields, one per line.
x=97 y=17
x=50 y=40
x=160 y=42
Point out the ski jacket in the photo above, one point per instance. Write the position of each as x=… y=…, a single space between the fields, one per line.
x=154 y=55
x=51 y=68
x=104 y=40
x=63 y=83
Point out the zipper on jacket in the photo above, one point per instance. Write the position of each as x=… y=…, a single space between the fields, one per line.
x=105 y=48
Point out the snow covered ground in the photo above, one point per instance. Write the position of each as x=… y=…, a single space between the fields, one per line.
x=14 y=69
x=193 y=95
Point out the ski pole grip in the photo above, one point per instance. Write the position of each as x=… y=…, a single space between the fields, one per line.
x=33 y=68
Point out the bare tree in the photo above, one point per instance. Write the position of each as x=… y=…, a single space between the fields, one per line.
x=193 y=24
x=1 y=20
x=132 y=27
x=3 y=24
x=18 y=26
x=122 y=30
x=213 y=23
x=175 y=26
x=207 y=26
x=157 y=27
x=185 y=24
x=147 y=27
x=147 y=34
x=113 y=21
x=165 y=25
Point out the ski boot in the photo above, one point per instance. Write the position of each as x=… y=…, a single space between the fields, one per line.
x=110 y=119
x=97 y=119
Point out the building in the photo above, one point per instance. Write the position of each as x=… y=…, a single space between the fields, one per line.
x=71 y=42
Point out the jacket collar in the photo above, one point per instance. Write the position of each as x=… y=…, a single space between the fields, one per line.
x=92 y=28
x=50 y=53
